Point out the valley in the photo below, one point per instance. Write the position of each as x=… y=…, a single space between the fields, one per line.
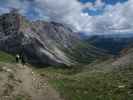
x=100 y=80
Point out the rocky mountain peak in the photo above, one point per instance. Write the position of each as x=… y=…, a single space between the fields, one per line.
x=10 y=23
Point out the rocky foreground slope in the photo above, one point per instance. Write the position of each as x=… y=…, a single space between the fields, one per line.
x=42 y=42
x=19 y=82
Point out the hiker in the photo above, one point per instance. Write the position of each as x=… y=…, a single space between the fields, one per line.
x=22 y=55
x=23 y=60
x=17 y=58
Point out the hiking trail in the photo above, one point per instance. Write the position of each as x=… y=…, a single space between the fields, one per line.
x=19 y=82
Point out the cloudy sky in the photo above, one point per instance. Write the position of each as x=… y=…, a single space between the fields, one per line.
x=89 y=16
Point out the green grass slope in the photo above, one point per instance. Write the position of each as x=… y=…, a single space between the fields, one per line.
x=7 y=58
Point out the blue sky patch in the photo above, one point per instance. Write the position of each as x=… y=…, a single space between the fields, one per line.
x=93 y=12
x=106 y=1
x=114 y=1
x=85 y=1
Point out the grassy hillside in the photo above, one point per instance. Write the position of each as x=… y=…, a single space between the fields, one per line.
x=84 y=53
x=86 y=84
x=7 y=58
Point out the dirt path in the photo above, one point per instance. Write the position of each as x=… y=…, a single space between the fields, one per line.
x=23 y=84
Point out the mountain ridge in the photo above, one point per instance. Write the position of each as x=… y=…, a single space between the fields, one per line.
x=44 y=42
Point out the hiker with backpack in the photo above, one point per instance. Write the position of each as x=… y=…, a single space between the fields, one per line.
x=17 y=58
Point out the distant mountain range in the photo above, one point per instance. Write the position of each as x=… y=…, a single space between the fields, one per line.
x=112 y=43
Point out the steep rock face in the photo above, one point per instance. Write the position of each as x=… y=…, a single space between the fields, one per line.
x=10 y=37
x=43 y=42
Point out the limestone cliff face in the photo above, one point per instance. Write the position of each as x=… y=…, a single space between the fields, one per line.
x=42 y=42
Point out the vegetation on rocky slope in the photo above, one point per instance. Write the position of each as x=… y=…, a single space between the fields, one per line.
x=91 y=85
x=84 y=53
x=7 y=58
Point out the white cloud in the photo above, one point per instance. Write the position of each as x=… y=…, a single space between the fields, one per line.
x=120 y=16
x=3 y=10
x=116 y=18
